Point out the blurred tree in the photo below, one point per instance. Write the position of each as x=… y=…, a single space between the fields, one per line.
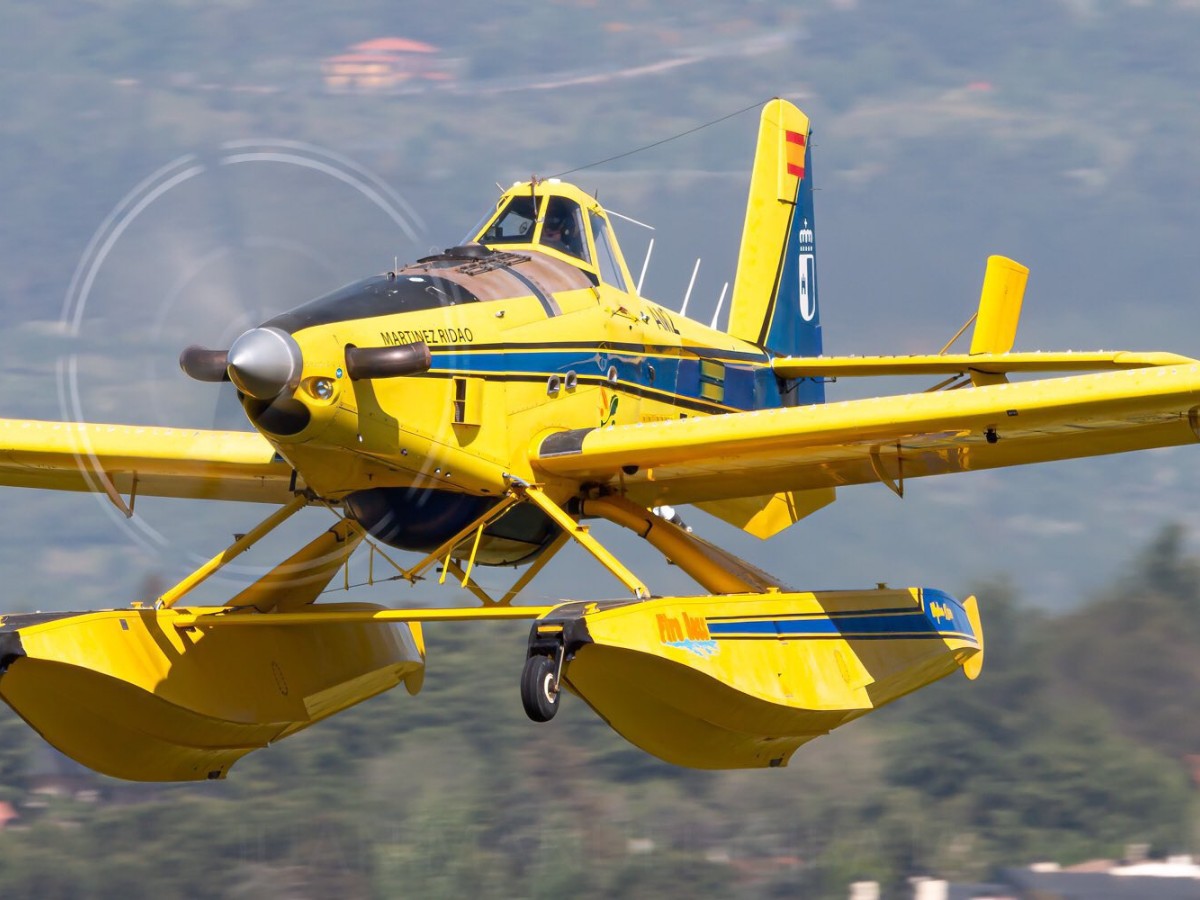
x=1009 y=767
x=1134 y=651
x=16 y=743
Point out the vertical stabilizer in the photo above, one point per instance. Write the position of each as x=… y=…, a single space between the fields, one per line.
x=775 y=291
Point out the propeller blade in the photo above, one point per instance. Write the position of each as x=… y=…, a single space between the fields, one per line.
x=205 y=365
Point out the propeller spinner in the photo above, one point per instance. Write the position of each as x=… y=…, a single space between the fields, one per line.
x=263 y=362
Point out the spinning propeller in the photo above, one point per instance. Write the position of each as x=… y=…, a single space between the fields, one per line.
x=205 y=250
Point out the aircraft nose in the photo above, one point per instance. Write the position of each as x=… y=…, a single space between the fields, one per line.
x=265 y=361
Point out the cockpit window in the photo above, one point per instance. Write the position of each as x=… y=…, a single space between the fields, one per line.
x=381 y=295
x=610 y=271
x=515 y=224
x=563 y=228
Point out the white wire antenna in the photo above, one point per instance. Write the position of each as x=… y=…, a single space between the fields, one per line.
x=613 y=212
x=720 y=301
x=645 y=265
x=691 y=284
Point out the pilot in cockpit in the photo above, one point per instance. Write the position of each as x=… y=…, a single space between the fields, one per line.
x=554 y=233
x=560 y=230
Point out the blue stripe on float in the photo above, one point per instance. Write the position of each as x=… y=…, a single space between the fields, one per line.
x=941 y=617
x=830 y=626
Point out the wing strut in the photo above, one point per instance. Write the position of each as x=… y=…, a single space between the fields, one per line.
x=519 y=585
x=714 y=569
x=520 y=492
x=446 y=550
x=580 y=533
x=234 y=550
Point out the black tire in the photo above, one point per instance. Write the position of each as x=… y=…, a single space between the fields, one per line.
x=538 y=694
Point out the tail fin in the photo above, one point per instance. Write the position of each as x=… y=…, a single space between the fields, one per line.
x=775 y=292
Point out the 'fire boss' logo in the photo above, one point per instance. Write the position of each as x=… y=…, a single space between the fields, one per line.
x=687 y=633
x=941 y=611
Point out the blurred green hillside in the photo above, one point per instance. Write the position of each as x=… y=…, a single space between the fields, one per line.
x=455 y=793
x=1058 y=133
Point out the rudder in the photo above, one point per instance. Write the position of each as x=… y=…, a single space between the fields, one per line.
x=775 y=291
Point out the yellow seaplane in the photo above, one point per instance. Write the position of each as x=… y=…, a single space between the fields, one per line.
x=483 y=407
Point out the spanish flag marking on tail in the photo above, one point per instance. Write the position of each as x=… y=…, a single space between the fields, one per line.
x=794 y=153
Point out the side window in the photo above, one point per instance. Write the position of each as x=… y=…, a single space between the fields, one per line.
x=610 y=272
x=514 y=225
x=563 y=228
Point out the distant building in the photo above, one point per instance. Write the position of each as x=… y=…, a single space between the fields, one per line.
x=387 y=64
x=1167 y=883
x=1176 y=878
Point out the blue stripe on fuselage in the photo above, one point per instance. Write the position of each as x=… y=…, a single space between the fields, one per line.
x=747 y=386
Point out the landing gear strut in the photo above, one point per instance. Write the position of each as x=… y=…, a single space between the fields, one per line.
x=539 y=687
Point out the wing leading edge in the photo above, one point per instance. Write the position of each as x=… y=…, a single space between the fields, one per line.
x=886 y=439
x=963 y=363
x=133 y=460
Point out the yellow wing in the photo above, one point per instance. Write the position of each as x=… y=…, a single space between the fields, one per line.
x=133 y=460
x=963 y=363
x=885 y=439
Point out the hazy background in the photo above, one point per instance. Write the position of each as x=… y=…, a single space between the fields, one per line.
x=174 y=173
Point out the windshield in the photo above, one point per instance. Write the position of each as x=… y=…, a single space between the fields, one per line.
x=515 y=223
x=610 y=272
x=381 y=295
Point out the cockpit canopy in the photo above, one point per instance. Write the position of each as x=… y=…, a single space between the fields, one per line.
x=558 y=217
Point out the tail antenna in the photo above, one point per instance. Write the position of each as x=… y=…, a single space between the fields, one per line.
x=720 y=302
x=691 y=284
x=645 y=266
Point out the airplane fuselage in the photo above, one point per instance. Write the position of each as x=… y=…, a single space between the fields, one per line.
x=522 y=346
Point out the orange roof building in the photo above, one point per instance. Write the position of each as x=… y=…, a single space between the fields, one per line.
x=385 y=64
